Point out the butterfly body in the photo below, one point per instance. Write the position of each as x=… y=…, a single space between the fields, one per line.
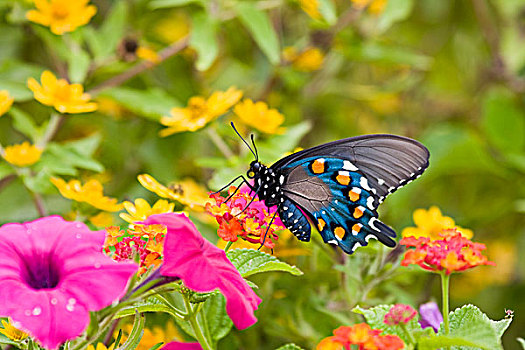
x=338 y=186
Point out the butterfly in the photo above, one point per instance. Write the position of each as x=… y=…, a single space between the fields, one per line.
x=337 y=186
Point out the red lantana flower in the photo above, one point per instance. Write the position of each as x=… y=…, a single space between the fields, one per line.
x=363 y=336
x=399 y=313
x=452 y=253
x=250 y=224
x=203 y=267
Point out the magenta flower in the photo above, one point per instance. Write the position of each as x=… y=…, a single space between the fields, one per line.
x=430 y=316
x=175 y=345
x=53 y=273
x=399 y=313
x=203 y=267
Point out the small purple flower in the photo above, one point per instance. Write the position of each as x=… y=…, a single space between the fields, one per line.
x=53 y=273
x=430 y=316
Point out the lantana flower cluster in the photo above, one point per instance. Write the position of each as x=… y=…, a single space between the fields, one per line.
x=146 y=241
x=363 y=336
x=251 y=224
x=451 y=253
x=398 y=314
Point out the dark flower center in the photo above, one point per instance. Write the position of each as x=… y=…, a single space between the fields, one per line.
x=41 y=271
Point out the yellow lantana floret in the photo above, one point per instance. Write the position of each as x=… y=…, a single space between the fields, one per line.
x=22 y=155
x=6 y=101
x=12 y=332
x=199 y=112
x=62 y=16
x=259 y=116
x=186 y=192
x=91 y=192
x=430 y=223
x=141 y=210
x=58 y=93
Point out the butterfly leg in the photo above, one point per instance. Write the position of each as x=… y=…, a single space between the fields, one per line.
x=268 y=228
x=237 y=189
x=229 y=183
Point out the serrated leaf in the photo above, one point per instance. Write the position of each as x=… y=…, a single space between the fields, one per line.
x=501 y=326
x=375 y=318
x=260 y=27
x=24 y=123
x=153 y=103
x=250 y=261
x=472 y=325
x=290 y=346
x=204 y=40
x=136 y=333
x=439 y=341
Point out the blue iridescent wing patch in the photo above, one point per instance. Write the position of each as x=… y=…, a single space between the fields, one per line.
x=339 y=201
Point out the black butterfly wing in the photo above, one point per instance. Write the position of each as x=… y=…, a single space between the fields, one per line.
x=339 y=185
x=387 y=161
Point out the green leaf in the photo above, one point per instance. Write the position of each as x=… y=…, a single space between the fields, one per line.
x=375 y=318
x=395 y=11
x=501 y=326
x=136 y=333
x=112 y=30
x=5 y=170
x=503 y=121
x=13 y=78
x=153 y=103
x=276 y=145
x=327 y=10
x=439 y=341
x=217 y=319
x=150 y=305
x=156 y=346
x=521 y=341
x=24 y=123
x=259 y=25
x=290 y=346
x=54 y=41
x=159 y=4
x=78 y=65
x=204 y=40
x=69 y=156
x=250 y=261
x=39 y=183
x=471 y=325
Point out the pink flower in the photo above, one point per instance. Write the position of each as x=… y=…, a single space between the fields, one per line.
x=175 y=345
x=399 y=313
x=203 y=267
x=53 y=273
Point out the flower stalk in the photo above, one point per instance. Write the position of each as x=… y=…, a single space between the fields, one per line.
x=195 y=324
x=445 y=279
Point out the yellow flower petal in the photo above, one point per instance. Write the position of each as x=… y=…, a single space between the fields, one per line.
x=6 y=101
x=11 y=331
x=61 y=16
x=259 y=116
x=141 y=210
x=91 y=192
x=22 y=155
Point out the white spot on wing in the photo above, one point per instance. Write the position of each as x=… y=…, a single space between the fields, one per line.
x=333 y=241
x=347 y=165
x=370 y=203
x=371 y=223
x=380 y=181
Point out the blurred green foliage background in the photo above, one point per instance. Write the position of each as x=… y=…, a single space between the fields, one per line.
x=447 y=73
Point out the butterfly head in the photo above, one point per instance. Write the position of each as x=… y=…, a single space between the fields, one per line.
x=255 y=169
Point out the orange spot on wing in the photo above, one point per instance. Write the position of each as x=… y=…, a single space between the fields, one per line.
x=321 y=224
x=356 y=228
x=343 y=179
x=358 y=213
x=318 y=166
x=354 y=196
x=339 y=232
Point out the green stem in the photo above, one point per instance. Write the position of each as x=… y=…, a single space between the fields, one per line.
x=408 y=334
x=195 y=325
x=219 y=142
x=228 y=245
x=445 y=279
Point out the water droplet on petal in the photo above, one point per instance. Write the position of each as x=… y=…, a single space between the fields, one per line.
x=70 y=307
x=79 y=235
x=37 y=311
x=79 y=225
x=54 y=301
x=27 y=312
x=97 y=265
x=72 y=301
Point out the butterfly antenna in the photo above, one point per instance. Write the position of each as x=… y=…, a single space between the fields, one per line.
x=255 y=148
x=243 y=140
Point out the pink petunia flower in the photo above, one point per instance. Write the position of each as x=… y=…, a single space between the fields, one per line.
x=175 y=345
x=203 y=267
x=53 y=273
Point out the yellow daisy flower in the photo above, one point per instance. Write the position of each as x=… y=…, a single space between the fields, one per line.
x=64 y=97
x=199 y=112
x=12 y=332
x=91 y=192
x=186 y=192
x=430 y=223
x=22 y=155
x=154 y=335
x=102 y=219
x=148 y=54
x=100 y=346
x=311 y=7
x=6 y=101
x=61 y=16
x=259 y=116
x=141 y=209
x=310 y=59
